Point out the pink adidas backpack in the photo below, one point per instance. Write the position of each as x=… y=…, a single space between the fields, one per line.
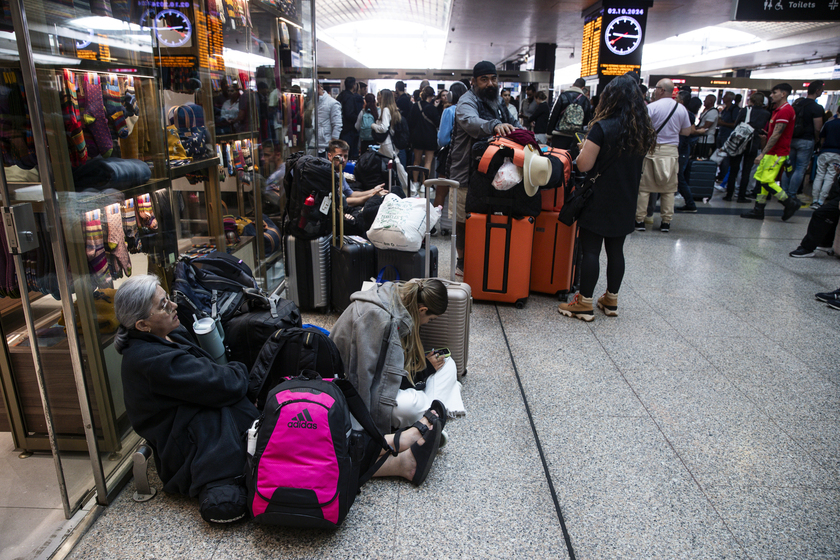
x=306 y=463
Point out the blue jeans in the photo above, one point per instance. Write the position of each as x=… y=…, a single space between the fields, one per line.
x=682 y=184
x=801 y=150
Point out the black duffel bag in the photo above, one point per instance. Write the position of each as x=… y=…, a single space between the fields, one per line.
x=484 y=198
x=246 y=333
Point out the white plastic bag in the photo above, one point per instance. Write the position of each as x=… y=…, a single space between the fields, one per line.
x=508 y=176
x=401 y=223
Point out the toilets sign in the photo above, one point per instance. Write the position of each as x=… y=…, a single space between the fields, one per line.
x=786 y=10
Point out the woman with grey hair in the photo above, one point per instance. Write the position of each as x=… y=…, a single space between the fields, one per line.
x=190 y=409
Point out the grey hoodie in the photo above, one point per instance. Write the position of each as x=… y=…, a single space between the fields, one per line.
x=368 y=338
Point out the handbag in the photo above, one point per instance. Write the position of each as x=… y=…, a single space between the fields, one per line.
x=573 y=207
x=193 y=135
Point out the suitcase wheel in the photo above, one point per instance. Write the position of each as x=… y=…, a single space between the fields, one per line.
x=520 y=303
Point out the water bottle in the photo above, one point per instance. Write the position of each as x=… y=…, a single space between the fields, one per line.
x=308 y=204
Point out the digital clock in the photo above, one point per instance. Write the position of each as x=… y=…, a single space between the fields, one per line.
x=623 y=35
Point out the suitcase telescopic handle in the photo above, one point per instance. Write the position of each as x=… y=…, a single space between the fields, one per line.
x=453 y=204
x=426 y=184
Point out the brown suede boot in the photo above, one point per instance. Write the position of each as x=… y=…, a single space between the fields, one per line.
x=609 y=304
x=580 y=307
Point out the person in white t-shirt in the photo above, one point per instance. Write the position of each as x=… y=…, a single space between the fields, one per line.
x=660 y=170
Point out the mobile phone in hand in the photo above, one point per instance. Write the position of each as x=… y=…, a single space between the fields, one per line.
x=580 y=137
x=443 y=352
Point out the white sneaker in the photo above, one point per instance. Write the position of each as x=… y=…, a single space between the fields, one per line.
x=815 y=205
x=720 y=187
x=415 y=188
x=825 y=249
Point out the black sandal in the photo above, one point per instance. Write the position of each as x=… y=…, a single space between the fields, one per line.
x=421 y=427
x=424 y=455
x=438 y=407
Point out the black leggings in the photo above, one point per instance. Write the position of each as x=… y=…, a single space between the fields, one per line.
x=590 y=246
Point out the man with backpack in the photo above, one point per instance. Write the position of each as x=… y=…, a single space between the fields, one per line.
x=351 y=106
x=571 y=112
x=806 y=135
x=480 y=113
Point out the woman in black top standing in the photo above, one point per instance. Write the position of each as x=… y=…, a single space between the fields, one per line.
x=759 y=117
x=619 y=137
x=423 y=124
x=539 y=118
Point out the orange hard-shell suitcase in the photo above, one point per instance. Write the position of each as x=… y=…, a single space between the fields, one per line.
x=552 y=257
x=497 y=257
x=552 y=199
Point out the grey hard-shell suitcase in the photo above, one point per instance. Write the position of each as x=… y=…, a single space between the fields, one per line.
x=452 y=329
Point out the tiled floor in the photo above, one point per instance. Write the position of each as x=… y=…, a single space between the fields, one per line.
x=700 y=423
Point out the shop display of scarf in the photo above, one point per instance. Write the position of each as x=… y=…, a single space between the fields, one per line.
x=95 y=119
x=113 y=106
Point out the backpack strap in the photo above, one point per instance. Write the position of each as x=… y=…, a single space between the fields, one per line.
x=362 y=415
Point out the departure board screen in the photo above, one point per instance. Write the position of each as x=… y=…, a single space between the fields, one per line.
x=591 y=44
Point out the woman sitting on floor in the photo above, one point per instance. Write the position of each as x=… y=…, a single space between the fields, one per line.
x=378 y=337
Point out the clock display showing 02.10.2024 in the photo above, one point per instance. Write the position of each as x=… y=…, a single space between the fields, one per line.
x=623 y=35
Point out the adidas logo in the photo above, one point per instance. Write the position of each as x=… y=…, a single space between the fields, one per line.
x=303 y=420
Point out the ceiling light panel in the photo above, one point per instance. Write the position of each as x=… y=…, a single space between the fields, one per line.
x=431 y=13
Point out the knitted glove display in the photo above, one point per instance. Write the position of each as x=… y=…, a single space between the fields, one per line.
x=116 y=241
x=95 y=250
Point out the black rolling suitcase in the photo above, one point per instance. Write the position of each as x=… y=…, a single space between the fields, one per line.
x=700 y=176
x=352 y=260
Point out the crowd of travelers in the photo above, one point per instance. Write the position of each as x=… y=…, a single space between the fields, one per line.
x=636 y=147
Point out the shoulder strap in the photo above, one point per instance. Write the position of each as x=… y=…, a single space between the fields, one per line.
x=362 y=415
x=661 y=126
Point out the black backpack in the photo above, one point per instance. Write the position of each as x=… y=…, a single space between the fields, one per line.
x=371 y=170
x=351 y=106
x=308 y=176
x=399 y=134
x=213 y=285
x=290 y=351
x=799 y=124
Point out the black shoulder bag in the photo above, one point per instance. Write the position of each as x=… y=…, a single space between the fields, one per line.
x=573 y=207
